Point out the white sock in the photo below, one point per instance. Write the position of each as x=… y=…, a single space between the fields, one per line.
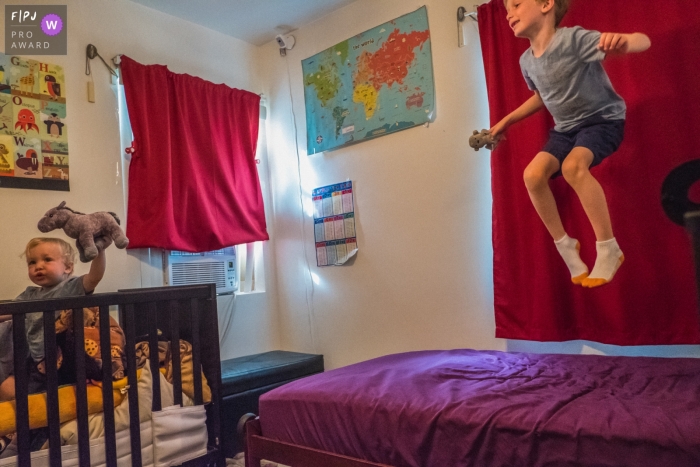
x=568 y=249
x=608 y=260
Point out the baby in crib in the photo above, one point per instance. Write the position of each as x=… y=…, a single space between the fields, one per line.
x=50 y=266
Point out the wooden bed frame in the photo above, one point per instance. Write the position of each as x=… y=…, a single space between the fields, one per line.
x=187 y=312
x=257 y=447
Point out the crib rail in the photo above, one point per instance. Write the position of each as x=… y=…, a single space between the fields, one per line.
x=187 y=312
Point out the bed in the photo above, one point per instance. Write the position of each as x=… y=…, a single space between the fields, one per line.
x=149 y=418
x=490 y=409
x=487 y=409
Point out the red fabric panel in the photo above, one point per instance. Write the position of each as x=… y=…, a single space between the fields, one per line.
x=193 y=181
x=652 y=299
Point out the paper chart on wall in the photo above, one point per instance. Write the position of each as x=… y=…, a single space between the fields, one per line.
x=33 y=125
x=334 y=224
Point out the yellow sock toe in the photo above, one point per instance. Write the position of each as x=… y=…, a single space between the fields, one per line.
x=590 y=283
x=578 y=280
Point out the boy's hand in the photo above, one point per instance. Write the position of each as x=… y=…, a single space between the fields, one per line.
x=614 y=43
x=498 y=131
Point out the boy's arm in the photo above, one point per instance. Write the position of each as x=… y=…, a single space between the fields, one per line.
x=97 y=271
x=614 y=43
x=528 y=108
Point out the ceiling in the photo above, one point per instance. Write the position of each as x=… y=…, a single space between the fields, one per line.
x=254 y=21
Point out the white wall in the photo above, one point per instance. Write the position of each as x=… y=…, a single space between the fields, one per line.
x=123 y=27
x=423 y=276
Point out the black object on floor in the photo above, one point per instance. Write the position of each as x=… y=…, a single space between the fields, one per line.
x=245 y=379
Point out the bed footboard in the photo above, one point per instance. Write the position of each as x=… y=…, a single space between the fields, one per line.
x=173 y=313
x=258 y=447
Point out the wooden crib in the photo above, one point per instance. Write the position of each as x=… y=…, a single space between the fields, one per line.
x=174 y=313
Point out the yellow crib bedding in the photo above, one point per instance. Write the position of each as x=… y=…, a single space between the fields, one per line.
x=67 y=406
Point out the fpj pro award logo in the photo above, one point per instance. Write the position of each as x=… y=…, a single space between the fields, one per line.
x=36 y=29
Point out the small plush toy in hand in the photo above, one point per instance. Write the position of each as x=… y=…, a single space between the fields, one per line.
x=482 y=139
x=92 y=232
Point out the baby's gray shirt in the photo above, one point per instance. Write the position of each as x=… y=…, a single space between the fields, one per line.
x=571 y=80
x=34 y=322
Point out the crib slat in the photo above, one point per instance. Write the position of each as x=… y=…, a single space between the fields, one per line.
x=21 y=390
x=175 y=351
x=154 y=354
x=107 y=396
x=50 y=357
x=196 y=353
x=134 y=423
x=80 y=387
x=211 y=355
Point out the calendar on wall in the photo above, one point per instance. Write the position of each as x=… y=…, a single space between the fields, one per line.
x=334 y=224
x=33 y=125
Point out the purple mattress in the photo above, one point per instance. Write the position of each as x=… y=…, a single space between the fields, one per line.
x=488 y=409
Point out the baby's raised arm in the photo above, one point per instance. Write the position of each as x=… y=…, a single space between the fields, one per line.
x=97 y=271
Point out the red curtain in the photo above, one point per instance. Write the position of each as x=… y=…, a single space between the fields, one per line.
x=652 y=299
x=193 y=181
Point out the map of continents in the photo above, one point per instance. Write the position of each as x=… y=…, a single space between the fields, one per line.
x=375 y=83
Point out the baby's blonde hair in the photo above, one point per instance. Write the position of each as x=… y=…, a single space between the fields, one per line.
x=67 y=251
x=560 y=9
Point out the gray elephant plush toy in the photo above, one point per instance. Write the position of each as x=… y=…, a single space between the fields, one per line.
x=92 y=232
x=480 y=139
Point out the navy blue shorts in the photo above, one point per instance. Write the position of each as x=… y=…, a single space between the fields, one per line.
x=601 y=136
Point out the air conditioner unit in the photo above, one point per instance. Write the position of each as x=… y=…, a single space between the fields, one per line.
x=217 y=266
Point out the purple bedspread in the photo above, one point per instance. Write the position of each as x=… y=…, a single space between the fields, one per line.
x=488 y=409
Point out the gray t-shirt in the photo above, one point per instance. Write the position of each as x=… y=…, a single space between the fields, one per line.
x=571 y=80
x=34 y=322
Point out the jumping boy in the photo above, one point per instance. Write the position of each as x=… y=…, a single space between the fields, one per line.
x=563 y=68
x=50 y=266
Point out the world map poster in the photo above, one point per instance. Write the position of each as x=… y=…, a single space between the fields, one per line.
x=33 y=125
x=375 y=83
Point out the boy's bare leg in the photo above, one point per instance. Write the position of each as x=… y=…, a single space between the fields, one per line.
x=536 y=176
x=589 y=191
x=592 y=197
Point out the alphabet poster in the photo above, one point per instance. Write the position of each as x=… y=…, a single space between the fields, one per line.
x=33 y=125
